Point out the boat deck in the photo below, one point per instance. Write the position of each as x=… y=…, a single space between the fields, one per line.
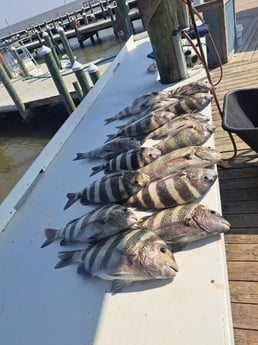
x=239 y=184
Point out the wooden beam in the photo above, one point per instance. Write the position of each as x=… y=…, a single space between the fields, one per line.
x=165 y=38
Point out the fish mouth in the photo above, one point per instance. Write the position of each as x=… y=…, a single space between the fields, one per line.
x=226 y=224
x=173 y=268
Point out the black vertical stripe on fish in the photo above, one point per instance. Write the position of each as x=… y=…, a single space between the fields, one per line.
x=109 y=251
x=90 y=192
x=117 y=190
x=89 y=257
x=71 y=231
x=135 y=160
x=186 y=189
x=127 y=188
x=165 y=194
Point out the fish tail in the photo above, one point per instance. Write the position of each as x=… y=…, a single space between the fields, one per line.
x=79 y=156
x=68 y=257
x=72 y=197
x=111 y=137
x=97 y=169
x=109 y=120
x=51 y=235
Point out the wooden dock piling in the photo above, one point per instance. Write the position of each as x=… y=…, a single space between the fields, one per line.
x=66 y=45
x=12 y=92
x=49 y=43
x=163 y=29
x=77 y=68
x=93 y=72
x=46 y=53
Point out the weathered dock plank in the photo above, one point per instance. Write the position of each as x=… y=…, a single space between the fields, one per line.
x=244 y=292
x=238 y=185
x=245 y=336
x=242 y=251
x=245 y=315
x=242 y=270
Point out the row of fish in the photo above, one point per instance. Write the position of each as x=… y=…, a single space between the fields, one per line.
x=136 y=189
x=166 y=179
x=178 y=226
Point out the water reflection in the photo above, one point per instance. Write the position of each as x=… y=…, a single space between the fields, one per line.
x=20 y=144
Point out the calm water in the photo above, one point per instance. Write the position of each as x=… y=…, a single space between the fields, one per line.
x=20 y=145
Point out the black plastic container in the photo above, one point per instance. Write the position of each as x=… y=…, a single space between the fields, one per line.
x=240 y=115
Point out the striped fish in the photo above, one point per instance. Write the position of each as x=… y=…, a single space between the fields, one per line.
x=178 y=123
x=190 y=89
x=190 y=156
x=198 y=134
x=110 y=150
x=111 y=188
x=144 y=125
x=184 y=224
x=130 y=160
x=124 y=258
x=191 y=104
x=194 y=103
x=176 y=189
x=94 y=225
x=147 y=103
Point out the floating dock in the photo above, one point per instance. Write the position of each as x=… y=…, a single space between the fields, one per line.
x=40 y=305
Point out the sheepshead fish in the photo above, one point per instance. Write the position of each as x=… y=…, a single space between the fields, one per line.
x=190 y=89
x=130 y=160
x=111 y=188
x=147 y=103
x=176 y=189
x=186 y=157
x=191 y=104
x=175 y=125
x=143 y=125
x=124 y=258
x=196 y=134
x=110 y=150
x=94 y=225
x=184 y=224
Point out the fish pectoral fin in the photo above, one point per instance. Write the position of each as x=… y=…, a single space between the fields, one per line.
x=119 y=284
x=189 y=155
x=181 y=127
x=97 y=222
x=188 y=221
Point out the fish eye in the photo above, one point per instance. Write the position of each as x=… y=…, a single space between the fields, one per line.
x=213 y=212
x=163 y=249
x=206 y=177
x=136 y=182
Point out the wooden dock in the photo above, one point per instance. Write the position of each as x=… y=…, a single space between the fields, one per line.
x=82 y=24
x=239 y=186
